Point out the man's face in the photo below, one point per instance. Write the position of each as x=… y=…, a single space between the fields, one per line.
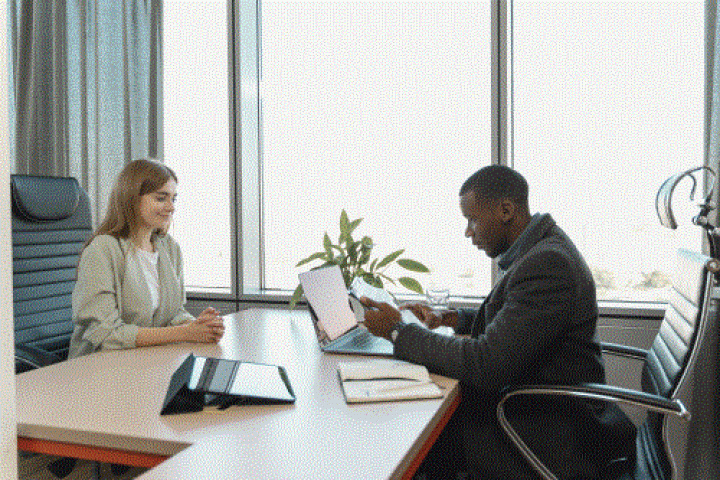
x=486 y=223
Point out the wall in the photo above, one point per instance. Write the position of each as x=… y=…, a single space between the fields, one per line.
x=8 y=434
x=625 y=372
x=635 y=332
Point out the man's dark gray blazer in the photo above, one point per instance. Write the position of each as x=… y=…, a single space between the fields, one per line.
x=537 y=325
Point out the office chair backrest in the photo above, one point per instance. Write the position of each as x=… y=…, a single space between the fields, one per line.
x=50 y=223
x=673 y=353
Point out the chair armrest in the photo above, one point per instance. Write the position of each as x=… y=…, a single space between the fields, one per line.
x=603 y=392
x=590 y=391
x=34 y=357
x=623 y=350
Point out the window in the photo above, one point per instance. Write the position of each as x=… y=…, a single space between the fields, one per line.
x=383 y=108
x=379 y=108
x=611 y=95
x=197 y=137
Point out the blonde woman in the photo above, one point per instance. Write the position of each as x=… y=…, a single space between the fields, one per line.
x=129 y=291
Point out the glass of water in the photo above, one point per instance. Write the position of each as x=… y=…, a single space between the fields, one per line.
x=438 y=297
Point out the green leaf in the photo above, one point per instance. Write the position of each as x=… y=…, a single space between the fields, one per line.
x=347 y=277
x=314 y=256
x=372 y=265
x=328 y=246
x=390 y=258
x=296 y=296
x=344 y=231
x=372 y=280
x=413 y=266
x=411 y=284
x=346 y=239
x=353 y=225
x=352 y=250
x=364 y=257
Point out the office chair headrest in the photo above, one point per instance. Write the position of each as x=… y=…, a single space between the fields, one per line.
x=663 y=204
x=44 y=199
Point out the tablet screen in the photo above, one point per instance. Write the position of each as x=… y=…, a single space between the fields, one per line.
x=261 y=381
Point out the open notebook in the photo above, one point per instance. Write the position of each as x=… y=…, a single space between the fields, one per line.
x=385 y=380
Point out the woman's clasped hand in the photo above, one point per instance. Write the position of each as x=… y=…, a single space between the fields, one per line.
x=207 y=328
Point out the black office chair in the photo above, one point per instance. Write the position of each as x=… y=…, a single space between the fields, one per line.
x=667 y=365
x=673 y=352
x=50 y=223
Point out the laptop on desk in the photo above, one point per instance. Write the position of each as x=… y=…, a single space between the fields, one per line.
x=337 y=327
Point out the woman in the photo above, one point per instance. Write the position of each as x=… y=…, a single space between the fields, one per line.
x=129 y=291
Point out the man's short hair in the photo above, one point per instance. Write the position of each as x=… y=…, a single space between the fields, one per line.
x=497 y=182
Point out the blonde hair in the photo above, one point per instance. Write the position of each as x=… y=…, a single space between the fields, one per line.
x=136 y=179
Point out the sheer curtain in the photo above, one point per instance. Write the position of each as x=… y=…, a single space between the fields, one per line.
x=85 y=88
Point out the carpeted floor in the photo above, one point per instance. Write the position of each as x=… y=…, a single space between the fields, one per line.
x=34 y=467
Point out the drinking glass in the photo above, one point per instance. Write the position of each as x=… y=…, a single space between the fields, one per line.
x=437 y=297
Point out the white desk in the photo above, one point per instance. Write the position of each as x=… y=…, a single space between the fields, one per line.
x=106 y=407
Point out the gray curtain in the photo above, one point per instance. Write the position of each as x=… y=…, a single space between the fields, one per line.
x=86 y=88
x=712 y=90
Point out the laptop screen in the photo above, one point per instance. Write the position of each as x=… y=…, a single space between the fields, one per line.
x=327 y=294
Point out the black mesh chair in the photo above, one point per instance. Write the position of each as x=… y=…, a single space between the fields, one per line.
x=674 y=351
x=50 y=223
x=684 y=338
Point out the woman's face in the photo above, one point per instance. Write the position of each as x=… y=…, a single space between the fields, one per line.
x=156 y=208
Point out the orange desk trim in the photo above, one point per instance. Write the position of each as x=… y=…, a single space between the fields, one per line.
x=425 y=449
x=86 y=452
x=146 y=460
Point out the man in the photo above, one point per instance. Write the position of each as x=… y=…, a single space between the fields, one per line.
x=535 y=326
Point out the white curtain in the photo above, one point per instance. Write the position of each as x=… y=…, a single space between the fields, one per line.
x=85 y=87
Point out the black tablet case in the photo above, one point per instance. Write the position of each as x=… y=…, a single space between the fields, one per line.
x=181 y=399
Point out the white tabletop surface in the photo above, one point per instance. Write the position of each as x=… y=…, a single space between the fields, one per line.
x=113 y=399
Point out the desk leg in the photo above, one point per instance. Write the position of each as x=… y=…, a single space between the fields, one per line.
x=417 y=461
x=85 y=452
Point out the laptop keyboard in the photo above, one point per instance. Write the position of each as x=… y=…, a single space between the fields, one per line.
x=362 y=339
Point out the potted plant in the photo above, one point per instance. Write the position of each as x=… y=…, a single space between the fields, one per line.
x=354 y=259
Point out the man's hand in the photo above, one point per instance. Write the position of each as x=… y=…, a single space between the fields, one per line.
x=430 y=317
x=380 y=318
x=425 y=314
